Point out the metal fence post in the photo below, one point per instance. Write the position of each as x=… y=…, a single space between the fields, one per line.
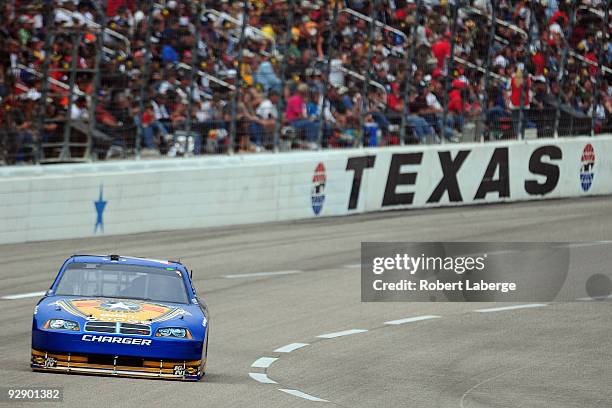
x=366 y=82
x=408 y=81
x=77 y=36
x=487 y=67
x=450 y=65
x=144 y=78
x=600 y=57
x=102 y=9
x=524 y=93
x=561 y=74
x=328 y=71
x=42 y=107
x=281 y=98
x=236 y=95
x=192 y=72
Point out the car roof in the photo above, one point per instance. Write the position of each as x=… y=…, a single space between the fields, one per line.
x=129 y=260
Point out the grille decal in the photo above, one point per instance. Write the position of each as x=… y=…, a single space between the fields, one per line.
x=118 y=328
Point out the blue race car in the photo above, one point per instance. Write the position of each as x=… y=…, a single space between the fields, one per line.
x=122 y=316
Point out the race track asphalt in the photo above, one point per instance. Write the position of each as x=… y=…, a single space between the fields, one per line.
x=550 y=355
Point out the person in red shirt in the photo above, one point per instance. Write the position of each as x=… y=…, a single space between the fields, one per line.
x=441 y=50
x=539 y=62
x=560 y=17
x=296 y=107
x=394 y=98
x=455 y=104
x=455 y=100
x=517 y=84
x=516 y=87
x=295 y=114
x=592 y=56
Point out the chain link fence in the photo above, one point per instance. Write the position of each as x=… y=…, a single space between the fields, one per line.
x=94 y=80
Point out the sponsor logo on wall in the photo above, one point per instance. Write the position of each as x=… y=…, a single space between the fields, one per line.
x=404 y=170
x=317 y=195
x=587 y=162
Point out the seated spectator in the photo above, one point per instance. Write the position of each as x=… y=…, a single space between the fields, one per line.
x=295 y=114
x=266 y=77
x=263 y=122
x=417 y=125
x=79 y=110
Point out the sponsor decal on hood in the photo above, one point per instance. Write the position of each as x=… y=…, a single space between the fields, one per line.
x=120 y=310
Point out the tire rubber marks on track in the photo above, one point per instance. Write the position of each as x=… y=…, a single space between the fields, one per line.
x=465 y=394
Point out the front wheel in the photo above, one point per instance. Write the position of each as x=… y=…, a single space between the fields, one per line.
x=205 y=356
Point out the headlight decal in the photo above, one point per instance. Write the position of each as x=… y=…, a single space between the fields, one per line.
x=173 y=332
x=61 y=324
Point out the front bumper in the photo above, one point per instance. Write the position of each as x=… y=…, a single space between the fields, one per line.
x=86 y=343
x=123 y=366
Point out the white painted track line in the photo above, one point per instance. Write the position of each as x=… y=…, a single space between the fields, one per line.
x=587 y=244
x=595 y=298
x=351 y=266
x=301 y=394
x=262 y=378
x=259 y=274
x=411 y=319
x=264 y=362
x=290 y=347
x=23 y=295
x=501 y=309
x=341 y=333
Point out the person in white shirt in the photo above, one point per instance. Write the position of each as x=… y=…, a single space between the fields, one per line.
x=262 y=125
x=78 y=110
x=266 y=109
x=159 y=108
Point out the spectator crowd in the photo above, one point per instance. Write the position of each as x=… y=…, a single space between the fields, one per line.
x=177 y=76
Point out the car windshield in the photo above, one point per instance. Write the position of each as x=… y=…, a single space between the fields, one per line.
x=123 y=281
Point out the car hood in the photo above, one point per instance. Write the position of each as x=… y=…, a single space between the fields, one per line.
x=119 y=310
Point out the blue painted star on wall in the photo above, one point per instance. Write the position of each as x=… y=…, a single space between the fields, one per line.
x=100 y=206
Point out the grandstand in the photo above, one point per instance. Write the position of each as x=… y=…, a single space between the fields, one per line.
x=83 y=79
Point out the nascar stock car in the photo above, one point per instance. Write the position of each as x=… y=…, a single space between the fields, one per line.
x=123 y=316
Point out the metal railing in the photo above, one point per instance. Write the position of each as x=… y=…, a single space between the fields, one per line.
x=238 y=23
x=51 y=80
x=208 y=76
x=92 y=24
x=378 y=23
